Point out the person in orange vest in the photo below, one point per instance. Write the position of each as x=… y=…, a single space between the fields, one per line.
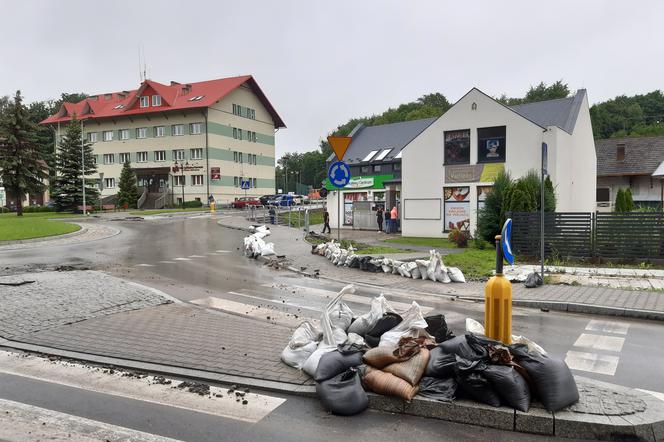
x=394 y=215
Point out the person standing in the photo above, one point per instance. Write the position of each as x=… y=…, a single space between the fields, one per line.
x=326 y=222
x=388 y=222
x=395 y=216
x=379 y=218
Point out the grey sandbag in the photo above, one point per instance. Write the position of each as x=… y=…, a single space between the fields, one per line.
x=469 y=346
x=510 y=385
x=533 y=280
x=384 y=324
x=343 y=394
x=553 y=380
x=336 y=362
x=438 y=389
x=469 y=375
x=441 y=364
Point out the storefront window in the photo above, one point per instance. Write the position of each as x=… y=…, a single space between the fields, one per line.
x=457 y=208
x=482 y=192
x=457 y=146
x=491 y=144
x=379 y=196
x=349 y=198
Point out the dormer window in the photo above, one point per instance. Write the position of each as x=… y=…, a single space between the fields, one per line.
x=119 y=106
x=156 y=100
x=145 y=101
x=620 y=152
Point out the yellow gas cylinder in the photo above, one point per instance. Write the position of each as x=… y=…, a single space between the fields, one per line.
x=498 y=302
x=212 y=207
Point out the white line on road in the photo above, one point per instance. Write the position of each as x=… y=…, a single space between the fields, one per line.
x=167 y=262
x=18 y=420
x=223 y=251
x=591 y=362
x=196 y=256
x=266 y=314
x=181 y=259
x=73 y=375
x=144 y=265
x=619 y=328
x=600 y=342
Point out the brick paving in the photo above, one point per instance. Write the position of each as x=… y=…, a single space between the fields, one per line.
x=57 y=298
x=182 y=336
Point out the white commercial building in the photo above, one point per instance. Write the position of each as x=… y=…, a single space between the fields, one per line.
x=448 y=169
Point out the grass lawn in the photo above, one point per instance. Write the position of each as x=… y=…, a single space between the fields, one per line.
x=474 y=263
x=315 y=217
x=34 y=225
x=360 y=248
x=160 y=211
x=434 y=243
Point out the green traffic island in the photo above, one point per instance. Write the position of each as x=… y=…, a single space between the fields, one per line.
x=33 y=225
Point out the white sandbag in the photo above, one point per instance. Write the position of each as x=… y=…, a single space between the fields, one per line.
x=296 y=357
x=386 y=265
x=351 y=259
x=415 y=273
x=403 y=270
x=339 y=315
x=532 y=346
x=422 y=264
x=357 y=340
x=261 y=234
x=268 y=250
x=342 y=259
x=455 y=274
x=335 y=256
x=340 y=336
x=473 y=326
x=395 y=267
x=441 y=271
x=364 y=323
x=412 y=322
x=311 y=364
x=431 y=268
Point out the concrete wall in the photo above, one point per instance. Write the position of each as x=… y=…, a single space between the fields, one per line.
x=583 y=167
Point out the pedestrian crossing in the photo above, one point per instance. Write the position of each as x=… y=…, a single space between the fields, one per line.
x=598 y=351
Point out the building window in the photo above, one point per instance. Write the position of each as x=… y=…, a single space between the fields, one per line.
x=197 y=180
x=195 y=128
x=160 y=155
x=396 y=166
x=124 y=134
x=177 y=129
x=145 y=101
x=236 y=181
x=239 y=157
x=159 y=131
x=109 y=158
x=94 y=159
x=92 y=137
x=364 y=169
x=235 y=156
x=156 y=100
x=235 y=133
x=178 y=154
x=457 y=146
x=603 y=194
x=109 y=183
x=197 y=154
x=108 y=135
x=125 y=157
x=620 y=152
x=141 y=157
x=252 y=114
x=178 y=180
x=377 y=168
x=253 y=184
x=491 y=144
x=239 y=134
x=141 y=132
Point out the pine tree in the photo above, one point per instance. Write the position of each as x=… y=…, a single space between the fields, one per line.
x=629 y=202
x=128 y=191
x=68 y=188
x=620 y=201
x=21 y=165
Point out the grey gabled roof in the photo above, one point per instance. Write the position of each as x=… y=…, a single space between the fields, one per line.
x=643 y=155
x=395 y=136
x=562 y=112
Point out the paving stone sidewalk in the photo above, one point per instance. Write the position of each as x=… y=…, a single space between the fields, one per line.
x=648 y=304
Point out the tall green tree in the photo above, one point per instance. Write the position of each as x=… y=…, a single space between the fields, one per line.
x=74 y=158
x=22 y=168
x=620 y=201
x=541 y=92
x=491 y=217
x=127 y=188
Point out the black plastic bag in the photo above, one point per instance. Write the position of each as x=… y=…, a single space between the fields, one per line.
x=510 y=385
x=469 y=346
x=343 y=394
x=354 y=263
x=533 y=280
x=363 y=262
x=336 y=362
x=438 y=389
x=473 y=383
x=384 y=324
x=441 y=364
x=554 y=383
x=437 y=327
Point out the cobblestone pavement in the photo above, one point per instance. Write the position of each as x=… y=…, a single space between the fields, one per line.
x=91 y=232
x=182 y=336
x=290 y=242
x=57 y=298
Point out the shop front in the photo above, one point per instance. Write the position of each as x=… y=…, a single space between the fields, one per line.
x=359 y=201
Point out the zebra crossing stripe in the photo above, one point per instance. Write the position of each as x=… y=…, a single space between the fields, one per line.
x=592 y=362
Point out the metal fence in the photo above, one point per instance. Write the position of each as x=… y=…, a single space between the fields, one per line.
x=292 y=216
x=620 y=236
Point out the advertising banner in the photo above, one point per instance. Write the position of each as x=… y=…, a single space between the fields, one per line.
x=457 y=208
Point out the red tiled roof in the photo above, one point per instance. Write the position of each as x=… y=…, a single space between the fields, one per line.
x=175 y=96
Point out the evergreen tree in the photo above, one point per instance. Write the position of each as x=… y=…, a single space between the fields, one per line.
x=620 y=201
x=68 y=188
x=629 y=202
x=128 y=191
x=21 y=165
x=491 y=217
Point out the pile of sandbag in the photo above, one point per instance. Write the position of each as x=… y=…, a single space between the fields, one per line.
x=255 y=246
x=432 y=269
x=406 y=354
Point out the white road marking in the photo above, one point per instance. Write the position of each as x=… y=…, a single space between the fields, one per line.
x=659 y=396
x=263 y=313
x=78 y=376
x=619 y=328
x=223 y=251
x=181 y=259
x=18 y=420
x=196 y=256
x=600 y=342
x=144 y=265
x=591 y=362
x=167 y=262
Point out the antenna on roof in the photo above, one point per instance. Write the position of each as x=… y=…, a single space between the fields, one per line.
x=140 y=73
x=142 y=65
x=145 y=66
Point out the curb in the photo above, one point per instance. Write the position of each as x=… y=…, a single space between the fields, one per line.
x=80 y=231
x=646 y=425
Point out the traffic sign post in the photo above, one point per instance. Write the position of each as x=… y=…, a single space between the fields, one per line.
x=339 y=173
x=244 y=185
x=498 y=291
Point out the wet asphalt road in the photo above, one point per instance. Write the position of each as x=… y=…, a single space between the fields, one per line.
x=136 y=254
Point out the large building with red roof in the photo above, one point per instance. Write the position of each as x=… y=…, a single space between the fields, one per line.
x=185 y=141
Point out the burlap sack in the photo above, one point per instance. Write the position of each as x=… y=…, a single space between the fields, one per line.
x=388 y=384
x=411 y=370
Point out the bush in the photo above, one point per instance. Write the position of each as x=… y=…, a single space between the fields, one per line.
x=624 y=201
x=459 y=237
x=478 y=242
x=38 y=209
x=193 y=204
x=491 y=217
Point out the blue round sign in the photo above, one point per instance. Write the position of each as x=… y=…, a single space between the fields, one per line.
x=339 y=174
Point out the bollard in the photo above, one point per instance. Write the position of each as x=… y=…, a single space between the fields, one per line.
x=212 y=207
x=498 y=302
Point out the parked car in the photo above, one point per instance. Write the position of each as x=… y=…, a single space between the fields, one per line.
x=241 y=203
x=282 y=200
x=265 y=199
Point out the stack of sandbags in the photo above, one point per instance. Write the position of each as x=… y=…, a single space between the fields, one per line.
x=255 y=246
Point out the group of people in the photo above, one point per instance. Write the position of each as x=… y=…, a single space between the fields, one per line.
x=390 y=218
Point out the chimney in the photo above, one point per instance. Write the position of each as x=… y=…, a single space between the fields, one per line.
x=174 y=83
x=186 y=89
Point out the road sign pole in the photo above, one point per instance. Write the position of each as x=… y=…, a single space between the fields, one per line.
x=339 y=215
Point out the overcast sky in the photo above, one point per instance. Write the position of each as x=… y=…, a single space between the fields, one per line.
x=323 y=62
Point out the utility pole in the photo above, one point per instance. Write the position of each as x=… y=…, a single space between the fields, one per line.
x=85 y=211
x=544 y=172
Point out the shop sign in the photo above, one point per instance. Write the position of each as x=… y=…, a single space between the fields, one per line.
x=215 y=173
x=484 y=173
x=457 y=208
x=360 y=182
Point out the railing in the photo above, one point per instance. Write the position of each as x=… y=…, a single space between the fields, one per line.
x=290 y=216
x=160 y=202
x=143 y=197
